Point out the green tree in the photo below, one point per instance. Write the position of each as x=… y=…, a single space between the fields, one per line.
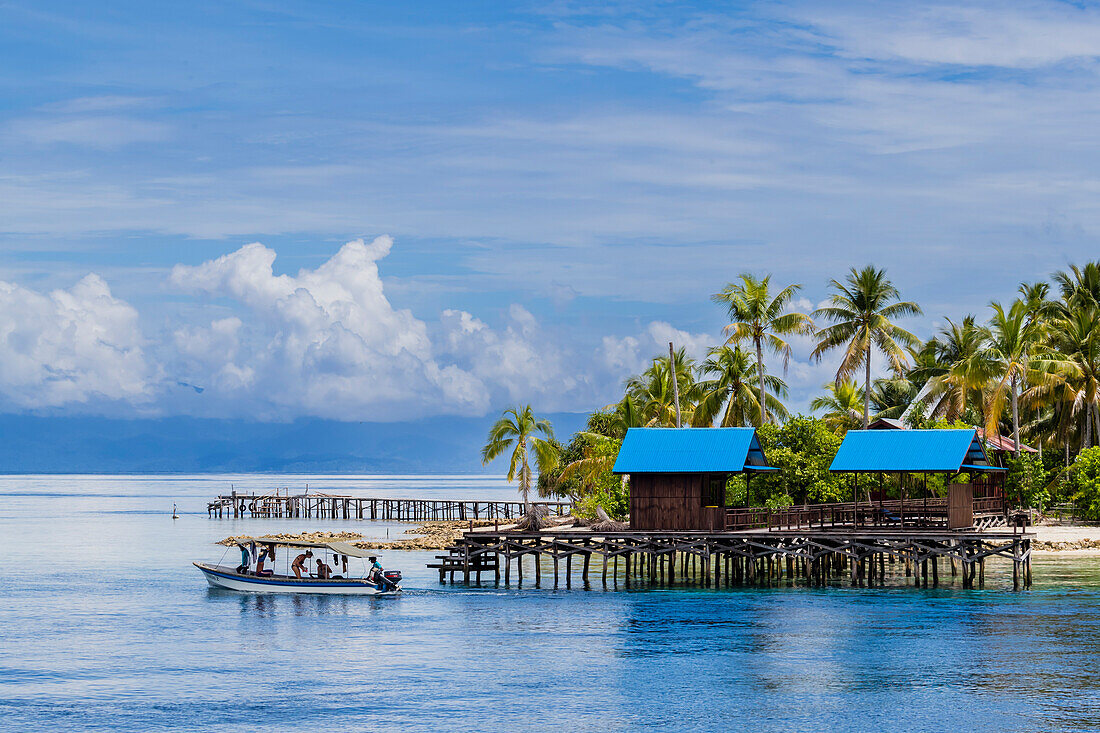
x=519 y=429
x=802 y=449
x=758 y=316
x=841 y=404
x=959 y=370
x=652 y=393
x=583 y=471
x=1084 y=481
x=730 y=393
x=1013 y=340
x=1026 y=480
x=860 y=311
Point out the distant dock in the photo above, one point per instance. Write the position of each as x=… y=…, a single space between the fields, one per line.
x=332 y=506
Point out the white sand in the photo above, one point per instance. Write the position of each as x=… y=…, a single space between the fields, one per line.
x=1056 y=533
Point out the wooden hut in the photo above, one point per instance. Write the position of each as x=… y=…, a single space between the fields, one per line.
x=678 y=475
x=923 y=452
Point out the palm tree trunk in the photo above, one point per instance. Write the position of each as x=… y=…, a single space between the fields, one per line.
x=524 y=477
x=867 y=390
x=1015 y=419
x=760 y=372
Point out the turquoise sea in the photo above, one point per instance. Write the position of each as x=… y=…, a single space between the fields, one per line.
x=106 y=626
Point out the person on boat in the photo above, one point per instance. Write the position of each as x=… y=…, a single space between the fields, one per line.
x=377 y=575
x=267 y=554
x=301 y=564
x=324 y=572
x=246 y=560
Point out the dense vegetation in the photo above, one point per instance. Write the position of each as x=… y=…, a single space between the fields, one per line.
x=1030 y=371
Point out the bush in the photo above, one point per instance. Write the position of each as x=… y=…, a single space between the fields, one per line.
x=1026 y=481
x=1084 y=481
x=802 y=449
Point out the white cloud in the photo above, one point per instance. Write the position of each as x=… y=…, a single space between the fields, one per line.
x=101 y=131
x=324 y=342
x=630 y=355
x=80 y=345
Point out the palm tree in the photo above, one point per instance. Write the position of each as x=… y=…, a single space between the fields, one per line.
x=860 y=312
x=1075 y=337
x=1013 y=339
x=520 y=428
x=841 y=403
x=959 y=370
x=730 y=393
x=653 y=394
x=1080 y=286
x=758 y=316
x=892 y=396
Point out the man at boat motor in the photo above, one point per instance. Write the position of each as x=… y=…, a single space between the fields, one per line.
x=301 y=564
x=378 y=576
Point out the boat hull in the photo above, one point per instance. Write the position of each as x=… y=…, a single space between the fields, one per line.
x=229 y=579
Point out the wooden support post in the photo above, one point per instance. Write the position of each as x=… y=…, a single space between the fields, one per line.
x=584 y=569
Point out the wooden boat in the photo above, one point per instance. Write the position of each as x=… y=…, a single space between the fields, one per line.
x=244 y=579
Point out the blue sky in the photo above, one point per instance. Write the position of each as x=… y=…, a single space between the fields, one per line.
x=538 y=196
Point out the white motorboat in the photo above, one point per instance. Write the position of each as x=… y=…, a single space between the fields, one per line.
x=247 y=579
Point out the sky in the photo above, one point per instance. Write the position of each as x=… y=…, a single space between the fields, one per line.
x=379 y=212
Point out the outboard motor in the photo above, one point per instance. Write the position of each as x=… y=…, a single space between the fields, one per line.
x=393 y=577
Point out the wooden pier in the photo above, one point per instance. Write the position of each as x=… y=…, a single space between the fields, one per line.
x=331 y=506
x=863 y=557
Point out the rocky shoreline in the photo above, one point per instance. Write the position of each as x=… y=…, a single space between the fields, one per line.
x=439 y=535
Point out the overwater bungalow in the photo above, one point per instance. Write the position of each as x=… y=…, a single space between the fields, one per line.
x=678 y=477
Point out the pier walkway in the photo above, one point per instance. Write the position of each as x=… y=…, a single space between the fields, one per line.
x=814 y=556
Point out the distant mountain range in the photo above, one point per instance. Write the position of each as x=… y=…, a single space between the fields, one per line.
x=192 y=445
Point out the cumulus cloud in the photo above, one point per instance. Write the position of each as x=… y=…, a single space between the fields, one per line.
x=633 y=354
x=324 y=342
x=80 y=345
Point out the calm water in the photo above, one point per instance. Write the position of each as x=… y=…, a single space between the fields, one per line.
x=104 y=625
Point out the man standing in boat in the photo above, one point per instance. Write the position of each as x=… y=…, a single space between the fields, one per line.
x=299 y=565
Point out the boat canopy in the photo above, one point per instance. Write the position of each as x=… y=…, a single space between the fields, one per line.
x=340 y=548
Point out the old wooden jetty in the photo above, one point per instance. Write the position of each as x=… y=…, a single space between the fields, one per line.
x=865 y=557
x=681 y=529
x=332 y=506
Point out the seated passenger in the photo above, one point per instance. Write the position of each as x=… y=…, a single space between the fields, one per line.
x=324 y=572
x=268 y=553
x=300 y=565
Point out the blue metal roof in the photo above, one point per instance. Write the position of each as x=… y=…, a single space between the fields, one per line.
x=690 y=450
x=911 y=451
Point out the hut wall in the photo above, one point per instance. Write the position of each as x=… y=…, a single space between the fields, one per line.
x=960 y=506
x=673 y=502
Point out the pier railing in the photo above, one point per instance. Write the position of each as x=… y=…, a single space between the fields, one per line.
x=929 y=512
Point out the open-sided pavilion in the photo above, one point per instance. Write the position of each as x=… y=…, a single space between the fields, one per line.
x=912 y=456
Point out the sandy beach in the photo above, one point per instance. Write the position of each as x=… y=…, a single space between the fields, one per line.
x=1066 y=540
